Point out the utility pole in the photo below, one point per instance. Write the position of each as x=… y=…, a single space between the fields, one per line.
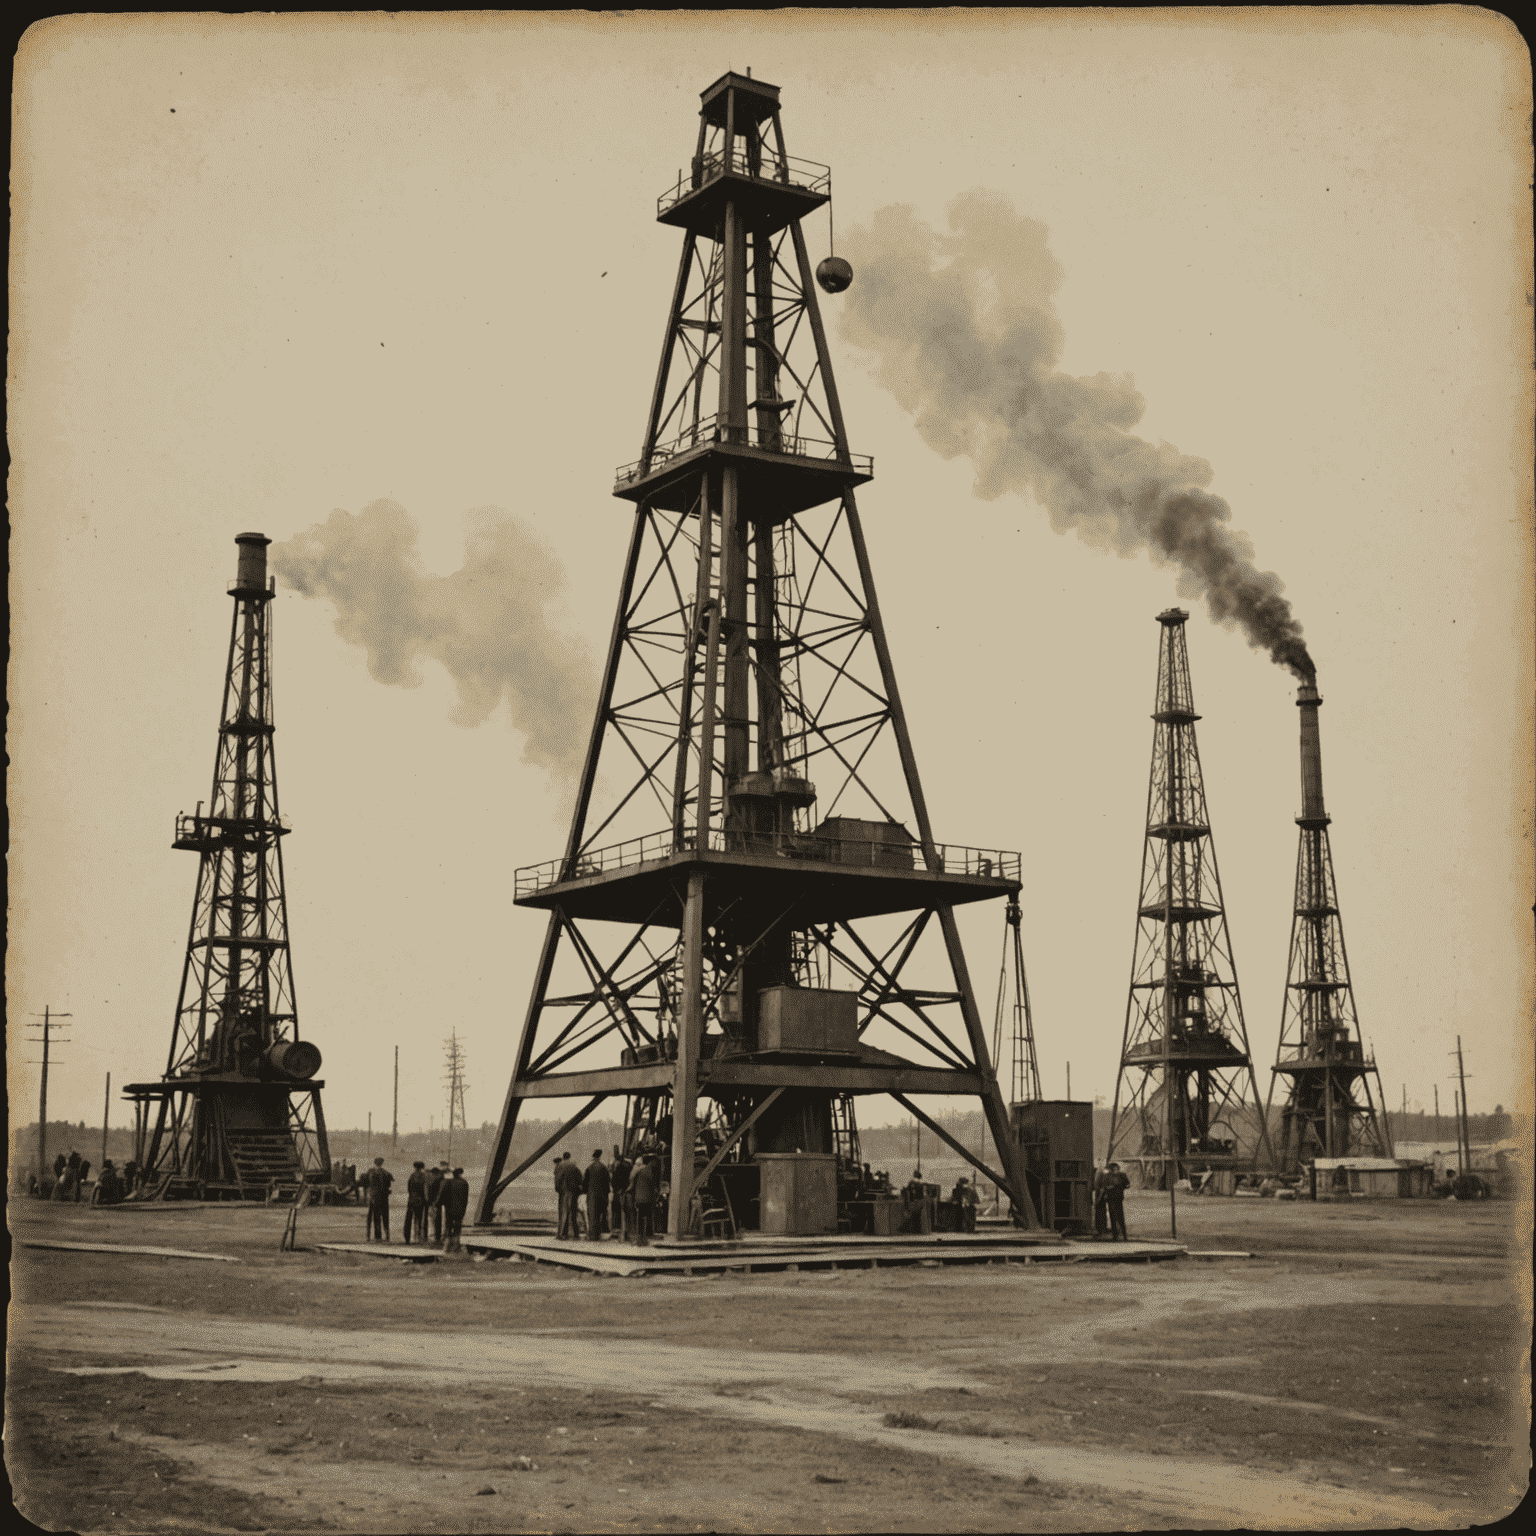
x=394 y=1127
x=48 y=1017
x=1069 y=1082
x=368 y=1154
x=1437 y=1111
x=1402 y=1132
x=1464 y=1131
x=106 y=1109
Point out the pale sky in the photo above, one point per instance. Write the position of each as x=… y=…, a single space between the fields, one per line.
x=266 y=267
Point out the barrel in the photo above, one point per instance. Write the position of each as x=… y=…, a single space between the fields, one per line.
x=294 y=1058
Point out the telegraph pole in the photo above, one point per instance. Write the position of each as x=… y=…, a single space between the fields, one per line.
x=394 y=1128
x=1464 y=1131
x=106 y=1110
x=1437 y=1111
x=42 y=1103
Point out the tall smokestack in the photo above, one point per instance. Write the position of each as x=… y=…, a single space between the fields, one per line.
x=251 y=573
x=1309 y=701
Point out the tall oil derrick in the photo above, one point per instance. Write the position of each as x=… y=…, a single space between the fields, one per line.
x=1329 y=1109
x=1013 y=1007
x=728 y=940
x=1182 y=1094
x=239 y=1105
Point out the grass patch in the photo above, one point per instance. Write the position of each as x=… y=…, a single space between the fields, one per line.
x=903 y=1419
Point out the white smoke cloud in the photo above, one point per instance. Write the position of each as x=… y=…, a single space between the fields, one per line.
x=488 y=623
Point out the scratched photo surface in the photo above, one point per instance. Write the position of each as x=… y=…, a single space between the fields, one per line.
x=1227 y=312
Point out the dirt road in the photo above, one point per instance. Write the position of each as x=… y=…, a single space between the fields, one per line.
x=299 y=1392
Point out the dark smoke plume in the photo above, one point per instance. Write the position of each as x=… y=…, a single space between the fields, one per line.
x=970 y=348
x=488 y=623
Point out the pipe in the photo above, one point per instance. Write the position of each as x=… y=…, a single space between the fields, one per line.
x=1308 y=701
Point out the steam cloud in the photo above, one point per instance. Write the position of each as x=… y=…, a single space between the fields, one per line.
x=487 y=623
x=970 y=349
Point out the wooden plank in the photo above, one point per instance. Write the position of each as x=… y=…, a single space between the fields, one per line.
x=408 y=1255
x=163 y=1253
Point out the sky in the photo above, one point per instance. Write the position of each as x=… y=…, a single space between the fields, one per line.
x=265 y=268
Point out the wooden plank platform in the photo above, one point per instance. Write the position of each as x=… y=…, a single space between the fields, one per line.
x=164 y=1253
x=754 y=1254
x=406 y=1254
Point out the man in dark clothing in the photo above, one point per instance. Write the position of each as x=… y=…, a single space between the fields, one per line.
x=72 y=1176
x=130 y=1177
x=568 y=1186
x=646 y=1186
x=379 y=1181
x=967 y=1200
x=618 y=1175
x=416 y=1204
x=108 y=1190
x=455 y=1201
x=81 y=1176
x=434 y=1187
x=598 y=1186
x=1115 y=1186
x=1100 y=1202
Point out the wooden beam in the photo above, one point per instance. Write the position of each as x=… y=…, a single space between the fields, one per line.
x=944 y=1136
x=571 y=1085
x=853 y=1078
x=730 y=1141
x=528 y=1162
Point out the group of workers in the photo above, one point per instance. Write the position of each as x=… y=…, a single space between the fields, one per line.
x=70 y=1179
x=621 y=1197
x=439 y=1193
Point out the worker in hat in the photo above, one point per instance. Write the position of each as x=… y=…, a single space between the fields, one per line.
x=416 y=1204
x=964 y=1195
x=436 y=1178
x=1115 y=1186
x=379 y=1181
x=455 y=1202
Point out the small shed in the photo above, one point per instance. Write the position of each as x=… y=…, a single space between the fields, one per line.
x=1370 y=1178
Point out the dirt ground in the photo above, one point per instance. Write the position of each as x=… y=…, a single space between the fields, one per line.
x=1367 y=1369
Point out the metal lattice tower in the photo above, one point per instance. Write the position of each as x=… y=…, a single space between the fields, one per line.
x=1329 y=1109
x=1185 y=1094
x=239 y=1105
x=453 y=1080
x=718 y=898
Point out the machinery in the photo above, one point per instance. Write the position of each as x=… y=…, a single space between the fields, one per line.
x=1055 y=1137
x=1329 y=1111
x=751 y=892
x=1185 y=1096
x=237 y=1114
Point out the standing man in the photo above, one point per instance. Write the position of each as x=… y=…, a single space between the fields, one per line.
x=379 y=1181
x=568 y=1188
x=434 y=1197
x=1100 y=1202
x=416 y=1204
x=645 y=1185
x=455 y=1201
x=965 y=1196
x=619 y=1180
x=81 y=1177
x=598 y=1186
x=1115 y=1186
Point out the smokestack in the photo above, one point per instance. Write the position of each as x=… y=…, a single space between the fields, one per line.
x=251 y=573
x=1308 y=701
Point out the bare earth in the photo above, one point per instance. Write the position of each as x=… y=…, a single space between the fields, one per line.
x=1367 y=1370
